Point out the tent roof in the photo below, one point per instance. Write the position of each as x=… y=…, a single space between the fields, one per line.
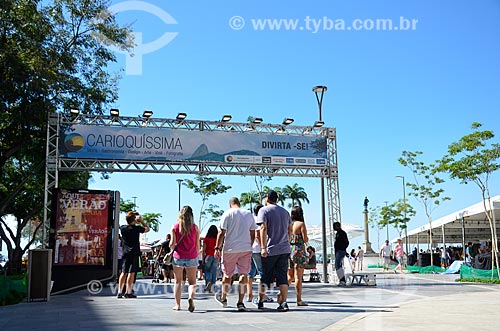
x=476 y=225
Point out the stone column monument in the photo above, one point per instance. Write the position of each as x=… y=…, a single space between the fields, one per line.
x=367 y=246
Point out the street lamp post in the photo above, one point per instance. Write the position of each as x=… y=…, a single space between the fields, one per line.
x=387 y=225
x=404 y=211
x=135 y=206
x=179 y=181
x=319 y=91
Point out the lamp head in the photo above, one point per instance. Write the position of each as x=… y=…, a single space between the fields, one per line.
x=319 y=89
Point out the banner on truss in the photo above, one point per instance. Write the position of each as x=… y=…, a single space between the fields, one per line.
x=166 y=144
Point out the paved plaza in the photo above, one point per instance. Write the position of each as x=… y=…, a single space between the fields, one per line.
x=398 y=302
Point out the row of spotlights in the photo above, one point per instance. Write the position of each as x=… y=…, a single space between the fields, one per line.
x=181 y=116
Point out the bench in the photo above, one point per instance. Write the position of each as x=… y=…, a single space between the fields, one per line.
x=362 y=279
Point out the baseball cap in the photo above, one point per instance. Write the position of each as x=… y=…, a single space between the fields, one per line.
x=272 y=196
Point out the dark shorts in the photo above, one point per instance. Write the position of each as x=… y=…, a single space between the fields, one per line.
x=275 y=266
x=130 y=263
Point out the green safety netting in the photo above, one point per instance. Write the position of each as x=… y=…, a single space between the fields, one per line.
x=425 y=270
x=12 y=290
x=378 y=265
x=467 y=272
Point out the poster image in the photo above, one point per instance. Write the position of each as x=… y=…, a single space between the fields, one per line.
x=81 y=229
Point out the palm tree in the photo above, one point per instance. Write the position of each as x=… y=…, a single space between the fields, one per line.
x=279 y=190
x=247 y=198
x=296 y=193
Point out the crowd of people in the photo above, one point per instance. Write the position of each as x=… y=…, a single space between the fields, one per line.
x=268 y=244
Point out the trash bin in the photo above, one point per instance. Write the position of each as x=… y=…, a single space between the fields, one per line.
x=39 y=274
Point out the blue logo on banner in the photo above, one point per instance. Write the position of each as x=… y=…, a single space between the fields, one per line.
x=320 y=161
x=301 y=161
x=290 y=160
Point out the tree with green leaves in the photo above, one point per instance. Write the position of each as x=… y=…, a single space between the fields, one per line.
x=151 y=219
x=474 y=158
x=296 y=193
x=281 y=196
x=398 y=214
x=249 y=198
x=53 y=57
x=206 y=187
x=211 y=214
x=425 y=188
x=374 y=218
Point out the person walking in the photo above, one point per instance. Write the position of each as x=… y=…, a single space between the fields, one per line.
x=298 y=255
x=398 y=256
x=256 y=264
x=385 y=255
x=186 y=244
x=166 y=270
x=131 y=252
x=340 y=246
x=211 y=262
x=359 y=258
x=236 y=235
x=275 y=230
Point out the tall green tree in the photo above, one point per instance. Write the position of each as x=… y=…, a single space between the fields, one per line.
x=206 y=187
x=281 y=196
x=374 y=217
x=211 y=214
x=249 y=198
x=151 y=219
x=296 y=193
x=53 y=57
x=474 y=158
x=425 y=187
x=397 y=214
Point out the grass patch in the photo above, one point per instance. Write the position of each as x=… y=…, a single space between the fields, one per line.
x=478 y=280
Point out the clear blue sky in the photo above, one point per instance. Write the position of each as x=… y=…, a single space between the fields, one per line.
x=388 y=91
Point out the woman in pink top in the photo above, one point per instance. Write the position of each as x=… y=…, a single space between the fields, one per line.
x=186 y=245
x=398 y=255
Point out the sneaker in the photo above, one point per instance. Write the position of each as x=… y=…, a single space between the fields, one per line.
x=342 y=283
x=241 y=306
x=190 y=305
x=260 y=305
x=209 y=288
x=218 y=298
x=283 y=306
x=130 y=296
x=119 y=296
x=301 y=303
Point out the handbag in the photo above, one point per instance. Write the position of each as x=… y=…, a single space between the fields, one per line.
x=169 y=257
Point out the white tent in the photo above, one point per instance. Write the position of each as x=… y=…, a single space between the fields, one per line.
x=468 y=224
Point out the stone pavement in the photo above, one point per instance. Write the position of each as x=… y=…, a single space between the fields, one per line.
x=409 y=302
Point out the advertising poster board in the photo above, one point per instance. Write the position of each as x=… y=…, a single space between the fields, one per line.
x=82 y=231
x=81 y=228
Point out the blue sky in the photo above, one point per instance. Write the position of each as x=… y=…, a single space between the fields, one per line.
x=388 y=91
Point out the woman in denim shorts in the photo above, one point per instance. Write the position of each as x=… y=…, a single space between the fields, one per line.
x=186 y=245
